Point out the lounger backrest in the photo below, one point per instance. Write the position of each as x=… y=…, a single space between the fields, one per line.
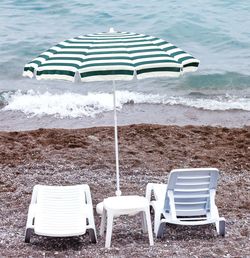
x=57 y=206
x=190 y=189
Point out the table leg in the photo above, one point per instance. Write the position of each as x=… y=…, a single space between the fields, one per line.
x=143 y=222
x=109 y=229
x=103 y=222
x=149 y=226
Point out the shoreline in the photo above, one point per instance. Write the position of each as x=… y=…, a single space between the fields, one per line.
x=147 y=154
x=128 y=115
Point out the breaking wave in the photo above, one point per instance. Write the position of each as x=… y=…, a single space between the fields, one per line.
x=75 y=105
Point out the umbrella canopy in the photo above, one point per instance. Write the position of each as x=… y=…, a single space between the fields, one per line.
x=111 y=56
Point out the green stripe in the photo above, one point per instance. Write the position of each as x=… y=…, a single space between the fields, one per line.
x=105 y=58
x=185 y=58
x=60 y=64
x=156 y=62
x=46 y=57
x=106 y=64
x=106 y=72
x=74 y=47
x=106 y=52
x=108 y=42
x=161 y=43
x=126 y=57
x=192 y=64
x=120 y=37
x=144 y=50
x=59 y=72
x=67 y=58
x=177 y=53
x=71 y=52
x=32 y=69
x=158 y=69
x=169 y=48
x=151 y=56
x=107 y=47
x=35 y=62
x=53 y=51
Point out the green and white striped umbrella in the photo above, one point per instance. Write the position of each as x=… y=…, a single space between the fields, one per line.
x=111 y=56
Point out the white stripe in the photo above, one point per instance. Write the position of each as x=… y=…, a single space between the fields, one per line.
x=54 y=67
x=109 y=40
x=40 y=59
x=138 y=60
x=182 y=55
x=84 y=50
x=158 y=52
x=145 y=66
x=92 y=50
x=34 y=65
x=129 y=62
x=167 y=45
x=67 y=44
x=157 y=41
x=122 y=48
x=112 y=44
x=157 y=74
x=69 y=55
x=28 y=74
x=116 y=77
x=55 y=77
x=49 y=54
x=63 y=61
x=106 y=68
x=189 y=69
x=108 y=55
x=192 y=60
x=172 y=51
x=144 y=48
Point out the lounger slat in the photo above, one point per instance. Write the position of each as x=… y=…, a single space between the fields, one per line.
x=187 y=190
x=182 y=183
x=189 y=203
x=193 y=177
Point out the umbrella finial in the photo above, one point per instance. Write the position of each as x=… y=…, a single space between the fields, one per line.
x=111 y=30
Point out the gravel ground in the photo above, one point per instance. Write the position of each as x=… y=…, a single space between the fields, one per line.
x=147 y=153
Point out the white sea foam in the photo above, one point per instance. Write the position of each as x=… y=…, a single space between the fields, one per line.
x=77 y=105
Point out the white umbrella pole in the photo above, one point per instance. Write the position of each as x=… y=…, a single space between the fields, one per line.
x=118 y=191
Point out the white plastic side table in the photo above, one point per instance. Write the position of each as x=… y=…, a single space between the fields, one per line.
x=124 y=205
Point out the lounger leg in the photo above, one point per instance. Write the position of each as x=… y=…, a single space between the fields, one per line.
x=160 y=230
x=92 y=235
x=109 y=230
x=157 y=220
x=28 y=233
x=222 y=227
x=92 y=229
x=149 y=226
x=103 y=222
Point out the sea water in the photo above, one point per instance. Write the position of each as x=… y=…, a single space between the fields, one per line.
x=215 y=32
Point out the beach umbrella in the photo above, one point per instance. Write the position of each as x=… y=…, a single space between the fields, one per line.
x=111 y=56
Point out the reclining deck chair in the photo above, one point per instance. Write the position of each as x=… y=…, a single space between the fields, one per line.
x=187 y=199
x=60 y=211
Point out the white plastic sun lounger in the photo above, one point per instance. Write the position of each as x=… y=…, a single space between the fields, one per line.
x=187 y=199
x=61 y=211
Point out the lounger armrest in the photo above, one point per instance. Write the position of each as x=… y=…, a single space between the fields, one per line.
x=149 y=189
x=159 y=191
x=31 y=216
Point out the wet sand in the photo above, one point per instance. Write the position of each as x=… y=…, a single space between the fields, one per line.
x=129 y=114
x=147 y=154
